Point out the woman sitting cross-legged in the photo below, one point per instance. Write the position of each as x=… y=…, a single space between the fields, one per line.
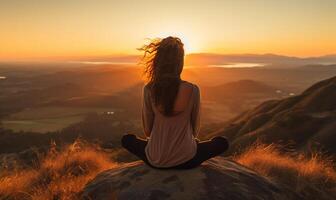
x=170 y=113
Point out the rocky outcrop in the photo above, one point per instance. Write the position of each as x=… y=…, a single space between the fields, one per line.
x=215 y=179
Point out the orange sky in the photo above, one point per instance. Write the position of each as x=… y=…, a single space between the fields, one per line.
x=43 y=28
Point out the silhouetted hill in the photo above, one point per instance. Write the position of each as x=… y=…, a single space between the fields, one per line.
x=222 y=102
x=303 y=122
x=238 y=88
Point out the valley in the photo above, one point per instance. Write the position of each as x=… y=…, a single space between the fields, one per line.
x=103 y=101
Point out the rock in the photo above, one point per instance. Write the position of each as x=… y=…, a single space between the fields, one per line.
x=217 y=178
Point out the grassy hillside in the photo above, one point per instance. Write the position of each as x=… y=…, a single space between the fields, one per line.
x=63 y=172
x=312 y=178
x=305 y=122
x=60 y=174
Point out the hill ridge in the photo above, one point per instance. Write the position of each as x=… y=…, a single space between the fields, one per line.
x=299 y=120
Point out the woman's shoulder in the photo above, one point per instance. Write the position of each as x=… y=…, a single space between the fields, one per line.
x=192 y=85
x=146 y=90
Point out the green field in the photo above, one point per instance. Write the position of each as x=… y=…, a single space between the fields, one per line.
x=44 y=119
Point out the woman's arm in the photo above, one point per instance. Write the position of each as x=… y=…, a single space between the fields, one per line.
x=195 y=113
x=147 y=112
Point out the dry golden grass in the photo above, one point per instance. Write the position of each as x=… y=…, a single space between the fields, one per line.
x=312 y=178
x=60 y=175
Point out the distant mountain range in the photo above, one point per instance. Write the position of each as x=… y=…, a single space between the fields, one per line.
x=221 y=59
x=272 y=59
x=193 y=59
x=305 y=122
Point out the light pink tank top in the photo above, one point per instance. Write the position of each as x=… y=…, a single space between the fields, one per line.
x=172 y=142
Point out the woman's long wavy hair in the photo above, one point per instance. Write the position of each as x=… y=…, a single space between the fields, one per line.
x=163 y=60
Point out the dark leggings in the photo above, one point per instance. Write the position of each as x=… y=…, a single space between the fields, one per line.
x=205 y=150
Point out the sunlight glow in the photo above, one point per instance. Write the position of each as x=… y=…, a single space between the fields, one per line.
x=188 y=46
x=87 y=28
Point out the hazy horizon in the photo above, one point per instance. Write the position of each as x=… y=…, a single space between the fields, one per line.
x=138 y=56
